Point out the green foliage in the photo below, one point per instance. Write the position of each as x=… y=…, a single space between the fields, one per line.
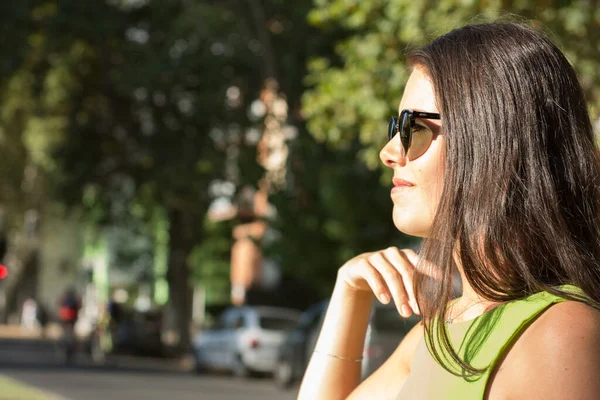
x=333 y=209
x=149 y=119
x=210 y=261
x=94 y=94
x=354 y=100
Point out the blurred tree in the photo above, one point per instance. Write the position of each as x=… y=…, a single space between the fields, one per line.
x=151 y=109
x=115 y=92
x=31 y=125
x=332 y=209
x=15 y=26
x=154 y=93
x=355 y=99
x=157 y=93
x=210 y=260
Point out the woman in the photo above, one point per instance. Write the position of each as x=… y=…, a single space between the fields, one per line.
x=495 y=167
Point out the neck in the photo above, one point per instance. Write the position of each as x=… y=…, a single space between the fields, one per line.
x=471 y=304
x=468 y=293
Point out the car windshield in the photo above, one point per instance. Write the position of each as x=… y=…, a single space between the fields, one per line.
x=388 y=320
x=273 y=323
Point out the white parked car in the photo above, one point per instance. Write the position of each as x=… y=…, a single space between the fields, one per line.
x=244 y=340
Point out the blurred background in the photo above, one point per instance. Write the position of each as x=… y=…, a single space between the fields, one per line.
x=176 y=169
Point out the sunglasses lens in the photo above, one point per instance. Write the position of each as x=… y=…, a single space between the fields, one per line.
x=415 y=138
x=405 y=133
x=392 y=127
x=420 y=142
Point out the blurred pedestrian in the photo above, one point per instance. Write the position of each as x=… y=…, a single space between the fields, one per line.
x=42 y=317
x=68 y=313
x=29 y=314
x=495 y=165
x=115 y=310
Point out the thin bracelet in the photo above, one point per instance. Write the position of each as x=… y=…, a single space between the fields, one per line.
x=339 y=357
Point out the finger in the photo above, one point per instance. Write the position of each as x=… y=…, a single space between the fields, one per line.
x=394 y=282
x=411 y=255
x=363 y=270
x=405 y=265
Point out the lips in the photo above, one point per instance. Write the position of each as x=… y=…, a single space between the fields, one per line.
x=402 y=183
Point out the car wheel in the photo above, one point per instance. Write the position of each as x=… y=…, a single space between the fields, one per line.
x=283 y=374
x=198 y=368
x=239 y=369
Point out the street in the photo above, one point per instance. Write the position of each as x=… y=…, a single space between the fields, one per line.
x=37 y=363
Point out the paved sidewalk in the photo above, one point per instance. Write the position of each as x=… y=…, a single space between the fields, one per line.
x=18 y=332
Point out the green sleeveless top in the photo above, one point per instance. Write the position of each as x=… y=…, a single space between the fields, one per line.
x=481 y=342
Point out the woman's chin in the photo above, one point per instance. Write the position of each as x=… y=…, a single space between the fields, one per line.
x=411 y=226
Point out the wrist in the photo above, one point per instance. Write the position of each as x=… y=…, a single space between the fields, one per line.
x=351 y=306
x=344 y=290
x=337 y=357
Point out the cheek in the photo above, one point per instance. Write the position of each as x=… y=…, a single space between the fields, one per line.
x=431 y=178
x=432 y=193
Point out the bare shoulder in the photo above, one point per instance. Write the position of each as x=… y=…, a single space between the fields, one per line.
x=556 y=357
x=577 y=315
x=566 y=327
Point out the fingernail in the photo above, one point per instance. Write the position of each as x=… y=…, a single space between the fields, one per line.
x=384 y=298
x=415 y=307
x=405 y=311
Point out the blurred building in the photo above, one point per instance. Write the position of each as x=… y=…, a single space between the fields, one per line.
x=60 y=251
x=42 y=260
x=61 y=247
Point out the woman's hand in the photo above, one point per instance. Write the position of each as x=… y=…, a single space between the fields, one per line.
x=387 y=274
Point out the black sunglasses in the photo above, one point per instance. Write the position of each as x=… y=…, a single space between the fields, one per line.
x=415 y=139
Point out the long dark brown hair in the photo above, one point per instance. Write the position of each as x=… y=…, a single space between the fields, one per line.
x=521 y=197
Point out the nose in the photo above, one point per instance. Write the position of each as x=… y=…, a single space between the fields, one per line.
x=390 y=154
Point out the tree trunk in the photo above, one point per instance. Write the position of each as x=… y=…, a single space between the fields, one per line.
x=23 y=284
x=182 y=227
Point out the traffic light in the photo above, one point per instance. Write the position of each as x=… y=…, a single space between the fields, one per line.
x=3 y=269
